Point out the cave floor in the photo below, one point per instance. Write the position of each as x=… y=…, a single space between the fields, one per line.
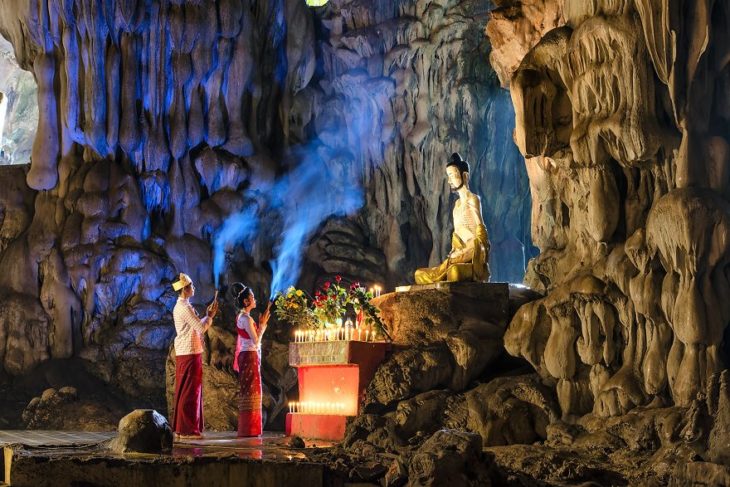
x=81 y=458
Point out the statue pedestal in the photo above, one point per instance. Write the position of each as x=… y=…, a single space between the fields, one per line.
x=430 y=312
x=332 y=377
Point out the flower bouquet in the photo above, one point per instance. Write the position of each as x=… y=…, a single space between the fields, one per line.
x=332 y=303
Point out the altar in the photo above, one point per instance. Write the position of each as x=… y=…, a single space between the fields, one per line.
x=332 y=377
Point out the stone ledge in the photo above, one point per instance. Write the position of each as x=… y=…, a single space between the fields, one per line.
x=431 y=312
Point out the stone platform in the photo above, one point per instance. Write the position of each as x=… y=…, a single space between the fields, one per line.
x=445 y=335
x=430 y=312
x=41 y=458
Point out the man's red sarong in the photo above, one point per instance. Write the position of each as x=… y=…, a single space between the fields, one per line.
x=188 y=414
x=249 y=402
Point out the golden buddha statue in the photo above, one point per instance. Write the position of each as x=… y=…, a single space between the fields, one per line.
x=469 y=256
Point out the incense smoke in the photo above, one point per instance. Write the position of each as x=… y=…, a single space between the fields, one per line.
x=239 y=228
x=305 y=197
x=309 y=195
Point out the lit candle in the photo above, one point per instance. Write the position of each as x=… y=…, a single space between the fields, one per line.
x=367 y=335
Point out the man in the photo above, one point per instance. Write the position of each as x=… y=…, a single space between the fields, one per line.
x=469 y=256
x=188 y=416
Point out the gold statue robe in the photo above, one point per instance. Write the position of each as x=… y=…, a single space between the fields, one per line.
x=467 y=261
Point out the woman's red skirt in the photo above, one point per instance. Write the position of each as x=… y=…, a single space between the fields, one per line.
x=188 y=414
x=249 y=402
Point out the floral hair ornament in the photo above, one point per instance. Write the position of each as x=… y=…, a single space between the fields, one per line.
x=183 y=281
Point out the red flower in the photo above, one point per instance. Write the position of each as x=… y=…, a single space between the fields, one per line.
x=338 y=278
x=326 y=285
x=317 y=293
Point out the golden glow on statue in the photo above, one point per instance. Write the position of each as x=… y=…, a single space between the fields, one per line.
x=469 y=256
x=316 y=3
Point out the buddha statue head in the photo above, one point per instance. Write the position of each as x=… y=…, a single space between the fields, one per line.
x=457 y=172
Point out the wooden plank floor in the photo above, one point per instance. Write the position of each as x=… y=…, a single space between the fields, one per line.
x=37 y=438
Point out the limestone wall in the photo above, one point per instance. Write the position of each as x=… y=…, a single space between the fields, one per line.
x=160 y=120
x=622 y=116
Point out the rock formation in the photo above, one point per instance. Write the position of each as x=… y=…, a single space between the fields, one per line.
x=63 y=409
x=142 y=431
x=621 y=115
x=160 y=121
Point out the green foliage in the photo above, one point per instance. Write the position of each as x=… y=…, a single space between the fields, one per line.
x=331 y=303
x=293 y=307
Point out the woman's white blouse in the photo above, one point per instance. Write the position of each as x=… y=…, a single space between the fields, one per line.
x=246 y=323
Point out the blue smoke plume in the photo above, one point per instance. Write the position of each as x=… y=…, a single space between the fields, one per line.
x=306 y=197
x=324 y=181
x=238 y=228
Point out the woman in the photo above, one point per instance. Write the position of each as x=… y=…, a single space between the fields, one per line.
x=188 y=414
x=247 y=363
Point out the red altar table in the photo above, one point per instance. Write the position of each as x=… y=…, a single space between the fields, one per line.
x=332 y=376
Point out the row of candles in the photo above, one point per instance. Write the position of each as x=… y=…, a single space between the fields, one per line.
x=314 y=407
x=343 y=333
